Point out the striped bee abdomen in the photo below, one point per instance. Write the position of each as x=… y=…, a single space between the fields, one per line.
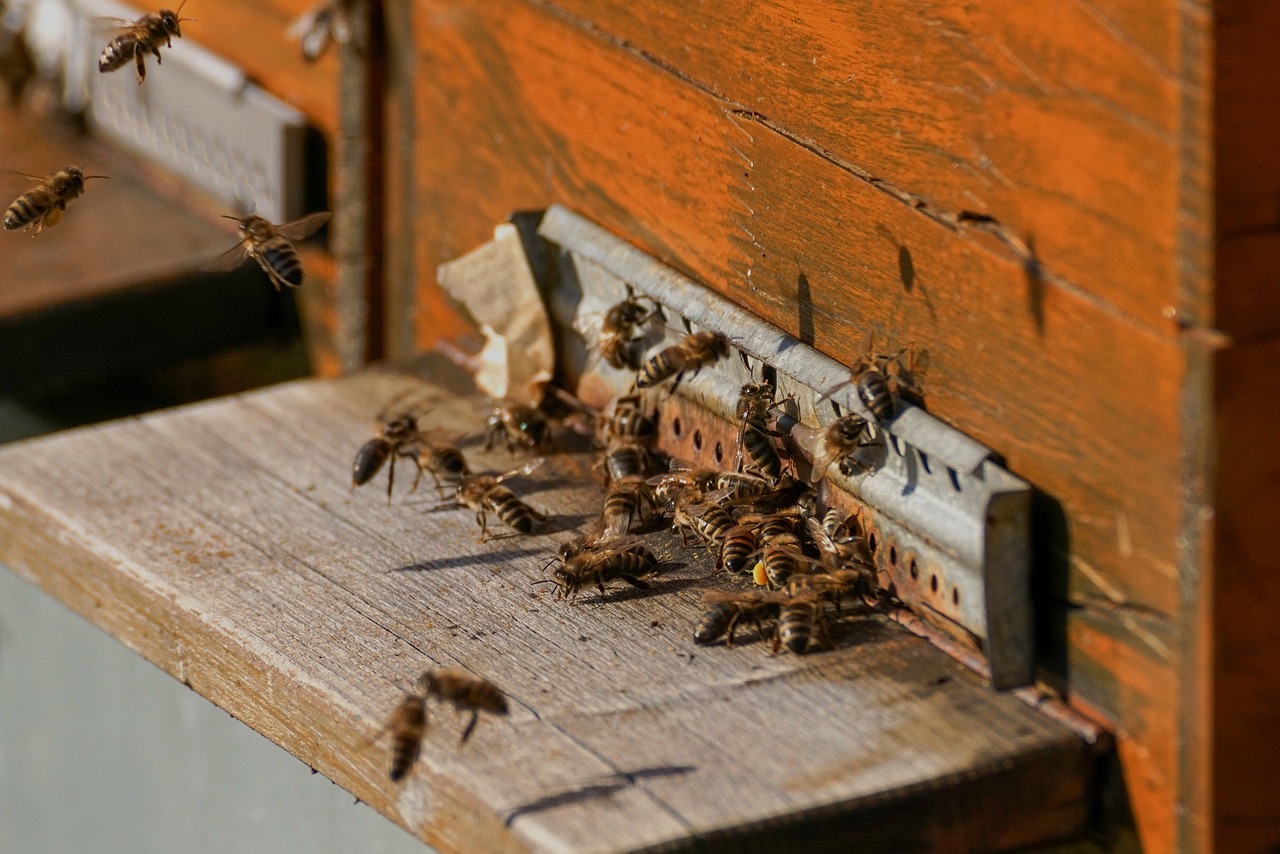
x=281 y=261
x=119 y=52
x=23 y=211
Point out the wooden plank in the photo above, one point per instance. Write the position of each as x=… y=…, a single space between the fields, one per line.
x=1243 y=692
x=221 y=541
x=1060 y=119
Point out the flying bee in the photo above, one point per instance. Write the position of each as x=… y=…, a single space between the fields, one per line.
x=271 y=246
x=739 y=545
x=485 y=494
x=136 y=39
x=330 y=21
x=695 y=351
x=399 y=432
x=727 y=608
x=445 y=463
x=43 y=205
x=628 y=562
x=802 y=622
x=707 y=519
x=620 y=332
x=624 y=504
x=464 y=692
x=520 y=426
x=839 y=441
x=408 y=726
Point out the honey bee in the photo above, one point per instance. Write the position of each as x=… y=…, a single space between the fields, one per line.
x=629 y=562
x=271 y=246
x=707 y=519
x=626 y=420
x=682 y=484
x=727 y=608
x=871 y=383
x=802 y=623
x=398 y=433
x=833 y=584
x=138 y=38
x=330 y=21
x=408 y=726
x=464 y=692
x=838 y=543
x=43 y=205
x=781 y=550
x=485 y=494
x=839 y=441
x=694 y=352
x=755 y=449
x=739 y=545
x=520 y=426
x=624 y=504
x=625 y=458
x=620 y=331
x=445 y=463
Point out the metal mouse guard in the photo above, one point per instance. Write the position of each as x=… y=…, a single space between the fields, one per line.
x=952 y=526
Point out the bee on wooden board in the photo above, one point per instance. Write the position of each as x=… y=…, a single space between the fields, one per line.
x=625 y=560
x=625 y=458
x=619 y=333
x=136 y=39
x=740 y=544
x=694 y=352
x=444 y=462
x=683 y=483
x=398 y=433
x=43 y=205
x=485 y=494
x=727 y=608
x=802 y=624
x=466 y=693
x=707 y=519
x=271 y=246
x=520 y=426
x=624 y=505
x=328 y=22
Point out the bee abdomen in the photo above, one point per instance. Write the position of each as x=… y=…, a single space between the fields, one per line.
x=761 y=453
x=873 y=391
x=447 y=462
x=512 y=510
x=21 y=212
x=739 y=544
x=116 y=54
x=486 y=696
x=282 y=258
x=369 y=459
x=795 y=628
x=714 y=623
x=657 y=369
x=408 y=724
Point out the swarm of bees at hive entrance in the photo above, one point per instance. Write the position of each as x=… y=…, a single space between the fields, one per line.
x=786 y=570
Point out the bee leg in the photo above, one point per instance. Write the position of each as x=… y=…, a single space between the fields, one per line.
x=140 y=62
x=638 y=583
x=733 y=625
x=391 y=477
x=676 y=384
x=470 y=727
x=482 y=520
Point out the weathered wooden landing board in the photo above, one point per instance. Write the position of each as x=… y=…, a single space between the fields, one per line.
x=222 y=542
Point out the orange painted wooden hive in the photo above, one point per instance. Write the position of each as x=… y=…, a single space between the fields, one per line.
x=1068 y=209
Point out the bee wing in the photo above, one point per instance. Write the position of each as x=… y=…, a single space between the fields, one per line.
x=822 y=461
x=588 y=325
x=105 y=25
x=305 y=227
x=819 y=536
x=229 y=260
x=527 y=468
x=35 y=178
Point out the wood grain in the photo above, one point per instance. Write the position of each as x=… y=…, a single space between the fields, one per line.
x=525 y=109
x=1059 y=119
x=1245 y=596
x=221 y=542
